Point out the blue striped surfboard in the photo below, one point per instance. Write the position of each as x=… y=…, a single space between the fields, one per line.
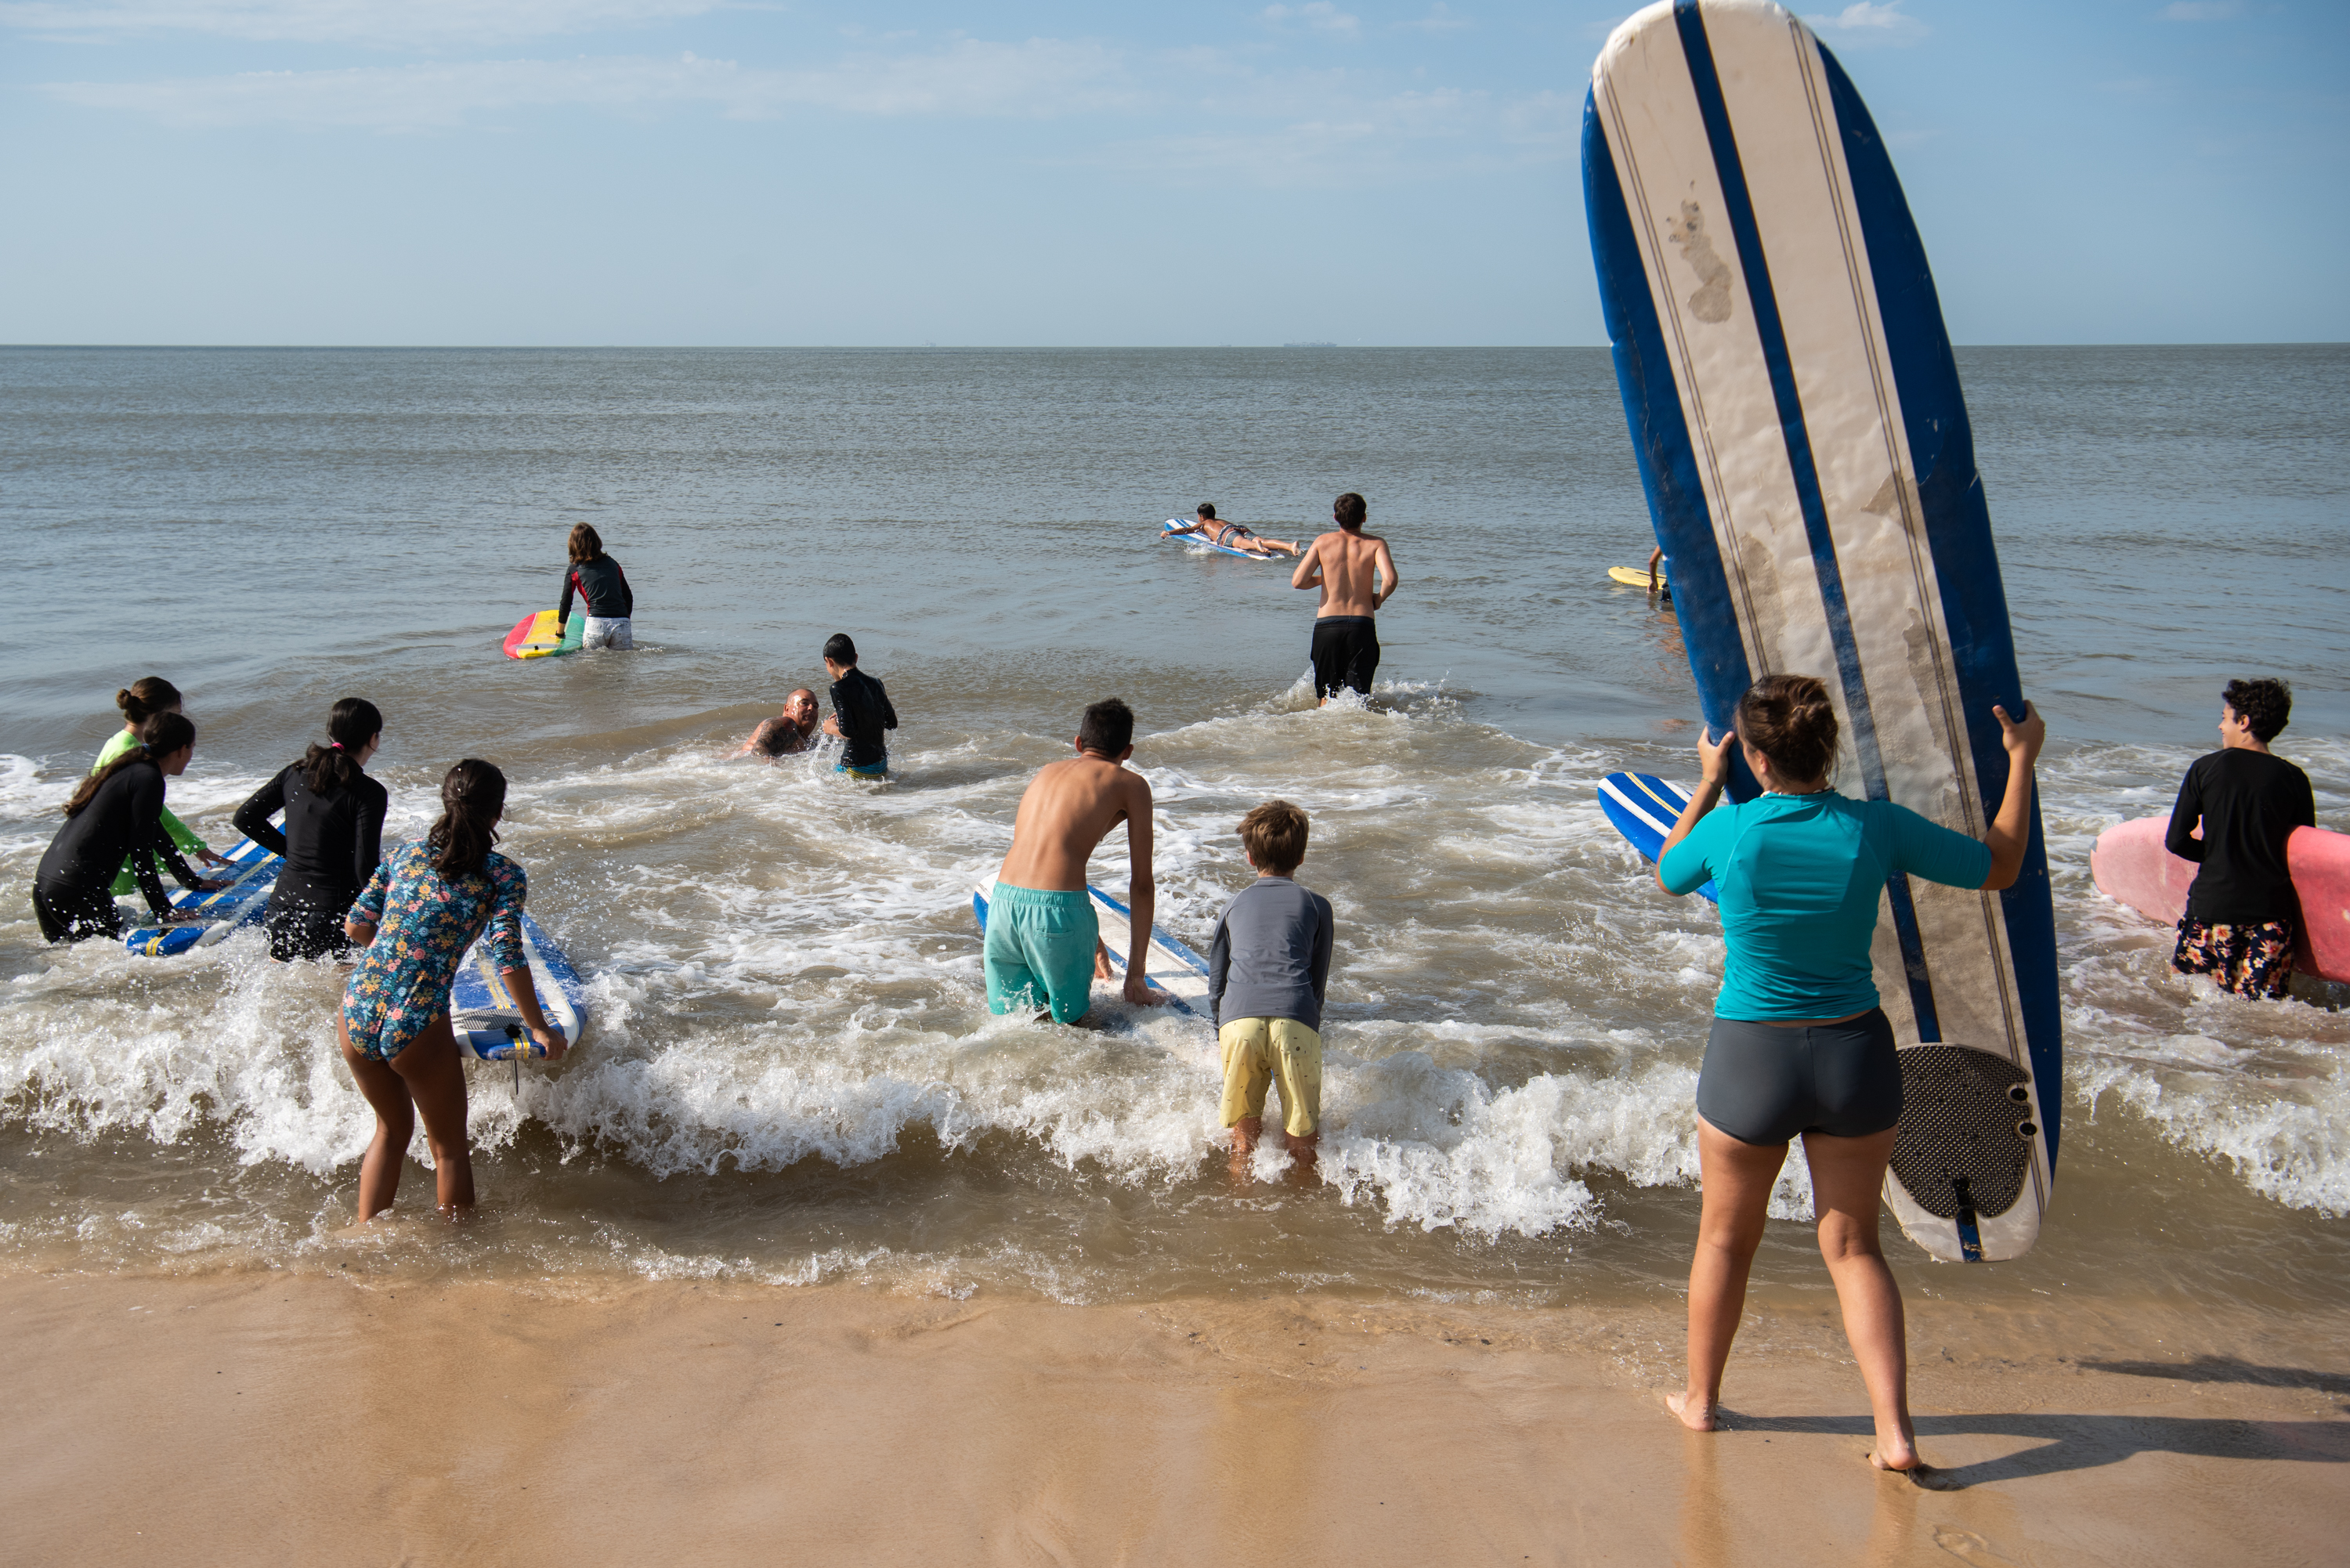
x=252 y=876
x=1809 y=470
x=1643 y=808
x=482 y=1011
x=1205 y=543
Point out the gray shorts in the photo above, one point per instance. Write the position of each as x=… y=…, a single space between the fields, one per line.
x=1763 y=1084
x=607 y=632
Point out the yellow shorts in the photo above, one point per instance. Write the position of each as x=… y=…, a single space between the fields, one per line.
x=1255 y=1050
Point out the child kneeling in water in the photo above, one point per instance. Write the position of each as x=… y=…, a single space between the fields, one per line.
x=1268 y=968
x=605 y=596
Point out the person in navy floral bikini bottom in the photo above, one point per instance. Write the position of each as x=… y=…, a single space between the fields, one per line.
x=424 y=907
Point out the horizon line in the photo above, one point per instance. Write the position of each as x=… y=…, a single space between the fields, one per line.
x=1048 y=347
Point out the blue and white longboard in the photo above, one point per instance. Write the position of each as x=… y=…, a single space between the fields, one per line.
x=1201 y=539
x=482 y=1011
x=1171 y=966
x=1643 y=808
x=253 y=875
x=1805 y=446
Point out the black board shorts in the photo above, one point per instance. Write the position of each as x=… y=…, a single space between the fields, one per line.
x=1346 y=653
x=302 y=930
x=72 y=915
x=1763 y=1083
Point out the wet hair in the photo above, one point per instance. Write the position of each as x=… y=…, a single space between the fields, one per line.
x=2265 y=705
x=1205 y=509
x=840 y=648
x=1789 y=719
x=471 y=796
x=158 y=737
x=1275 y=835
x=1108 y=727
x=147 y=695
x=1350 y=510
x=351 y=726
x=586 y=544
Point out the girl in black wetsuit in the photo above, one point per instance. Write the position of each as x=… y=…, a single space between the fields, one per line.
x=333 y=835
x=603 y=588
x=116 y=815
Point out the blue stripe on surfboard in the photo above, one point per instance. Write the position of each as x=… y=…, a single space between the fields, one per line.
x=1643 y=808
x=1958 y=528
x=242 y=903
x=1661 y=439
x=1738 y=207
x=1174 y=947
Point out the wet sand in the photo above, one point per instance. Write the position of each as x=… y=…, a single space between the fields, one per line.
x=282 y=1418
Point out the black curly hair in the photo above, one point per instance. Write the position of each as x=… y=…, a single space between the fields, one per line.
x=2265 y=705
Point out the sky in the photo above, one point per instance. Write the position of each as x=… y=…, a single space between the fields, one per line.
x=711 y=172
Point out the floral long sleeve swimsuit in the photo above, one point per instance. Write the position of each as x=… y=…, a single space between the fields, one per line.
x=424 y=922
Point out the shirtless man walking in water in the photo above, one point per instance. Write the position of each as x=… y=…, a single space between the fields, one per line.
x=1042 y=933
x=1342 y=564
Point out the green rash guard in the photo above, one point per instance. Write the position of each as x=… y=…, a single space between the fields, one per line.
x=125 y=882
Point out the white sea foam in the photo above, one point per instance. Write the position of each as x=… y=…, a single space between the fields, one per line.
x=784 y=970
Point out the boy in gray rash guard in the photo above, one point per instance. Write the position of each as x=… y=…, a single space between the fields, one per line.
x=1268 y=967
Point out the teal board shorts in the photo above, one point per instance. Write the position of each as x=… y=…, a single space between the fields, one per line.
x=1040 y=947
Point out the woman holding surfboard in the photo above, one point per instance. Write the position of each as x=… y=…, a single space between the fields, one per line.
x=114 y=823
x=1799 y=1043
x=333 y=836
x=139 y=701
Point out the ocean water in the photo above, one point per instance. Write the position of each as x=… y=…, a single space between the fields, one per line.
x=791 y=1075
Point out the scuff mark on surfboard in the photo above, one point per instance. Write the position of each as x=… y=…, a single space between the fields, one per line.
x=1711 y=303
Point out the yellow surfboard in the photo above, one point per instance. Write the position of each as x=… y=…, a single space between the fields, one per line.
x=1636 y=577
x=540 y=635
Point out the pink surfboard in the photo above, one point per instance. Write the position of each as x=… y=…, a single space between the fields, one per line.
x=2130 y=864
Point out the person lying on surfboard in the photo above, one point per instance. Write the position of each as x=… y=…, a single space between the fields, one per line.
x=1231 y=535
x=793 y=730
x=1043 y=936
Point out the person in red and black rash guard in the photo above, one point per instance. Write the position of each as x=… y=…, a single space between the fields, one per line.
x=596 y=577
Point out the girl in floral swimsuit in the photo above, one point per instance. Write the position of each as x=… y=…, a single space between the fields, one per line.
x=426 y=905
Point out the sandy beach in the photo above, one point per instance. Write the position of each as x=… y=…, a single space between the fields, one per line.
x=282 y=1416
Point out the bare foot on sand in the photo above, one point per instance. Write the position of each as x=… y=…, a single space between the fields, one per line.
x=1917 y=1471
x=1691 y=1411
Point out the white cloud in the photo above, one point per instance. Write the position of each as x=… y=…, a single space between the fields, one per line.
x=1041 y=77
x=1320 y=16
x=1441 y=18
x=398 y=24
x=1405 y=137
x=1865 y=22
x=2200 y=10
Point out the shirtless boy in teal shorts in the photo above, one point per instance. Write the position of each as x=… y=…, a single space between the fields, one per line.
x=1040 y=930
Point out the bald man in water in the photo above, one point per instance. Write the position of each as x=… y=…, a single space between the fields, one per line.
x=793 y=730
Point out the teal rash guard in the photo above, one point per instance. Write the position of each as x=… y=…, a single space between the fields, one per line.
x=1801 y=877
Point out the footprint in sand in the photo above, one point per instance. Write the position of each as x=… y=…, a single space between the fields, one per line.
x=1968 y=1547
x=1712 y=301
